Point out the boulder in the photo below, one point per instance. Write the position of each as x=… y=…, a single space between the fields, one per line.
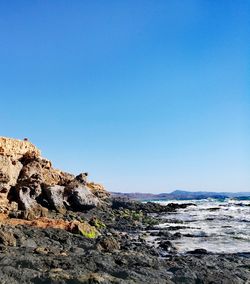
x=25 y=202
x=83 y=229
x=82 y=178
x=50 y=176
x=55 y=197
x=79 y=195
x=81 y=198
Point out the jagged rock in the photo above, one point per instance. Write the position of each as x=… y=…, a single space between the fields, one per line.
x=82 y=178
x=50 y=176
x=53 y=177
x=55 y=197
x=79 y=195
x=31 y=168
x=30 y=180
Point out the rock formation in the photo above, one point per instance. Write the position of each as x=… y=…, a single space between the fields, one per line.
x=59 y=228
x=30 y=184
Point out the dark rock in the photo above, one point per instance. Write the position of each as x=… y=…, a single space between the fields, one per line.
x=7 y=238
x=82 y=178
x=149 y=207
x=198 y=251
x=55 y=197
x=108 y=244
x=167 y=246
x=79 y=196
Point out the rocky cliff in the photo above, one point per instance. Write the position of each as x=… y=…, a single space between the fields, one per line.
x=31 y=186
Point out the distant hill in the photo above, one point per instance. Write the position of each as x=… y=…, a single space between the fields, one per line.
x=183 y=195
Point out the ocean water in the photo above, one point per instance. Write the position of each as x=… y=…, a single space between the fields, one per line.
x=217 y=226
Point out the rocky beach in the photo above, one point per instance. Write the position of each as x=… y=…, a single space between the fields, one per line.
x=60 y=228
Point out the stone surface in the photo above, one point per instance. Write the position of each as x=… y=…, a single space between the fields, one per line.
x=80 y=198
x=9 y=172
x=27 y=179
x=17 y=148
x=55 y=197
x=98 y=190
x=61 y=229
x=7 y=238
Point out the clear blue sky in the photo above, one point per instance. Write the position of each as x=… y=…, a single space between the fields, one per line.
x=147 y=96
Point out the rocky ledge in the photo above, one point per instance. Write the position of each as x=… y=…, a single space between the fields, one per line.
x=59 y=228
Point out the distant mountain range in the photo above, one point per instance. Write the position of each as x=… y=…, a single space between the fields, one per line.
x=182 y=195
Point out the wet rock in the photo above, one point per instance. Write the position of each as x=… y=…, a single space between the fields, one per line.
x=167 y=246
x=198 y=251
x=30 y=208
x=149 y=207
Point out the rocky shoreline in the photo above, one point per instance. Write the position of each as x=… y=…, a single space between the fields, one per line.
x=59 y=228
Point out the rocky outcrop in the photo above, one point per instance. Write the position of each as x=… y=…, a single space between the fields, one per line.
x=9 y=172
x=17 y=148
x=29 y=180
x=11 y=152
x=98 y=190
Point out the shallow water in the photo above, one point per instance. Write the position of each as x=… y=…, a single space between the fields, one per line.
x=217 y=226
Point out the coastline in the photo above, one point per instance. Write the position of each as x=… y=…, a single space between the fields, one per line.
x=120 y=254
x=56 y=227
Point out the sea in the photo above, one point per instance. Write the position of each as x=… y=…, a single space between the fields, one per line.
x=219 y=226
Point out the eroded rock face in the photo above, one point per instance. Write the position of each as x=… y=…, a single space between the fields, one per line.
x=17 y=148
x=31 y=182
x=9 y=172
x=11 y=151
